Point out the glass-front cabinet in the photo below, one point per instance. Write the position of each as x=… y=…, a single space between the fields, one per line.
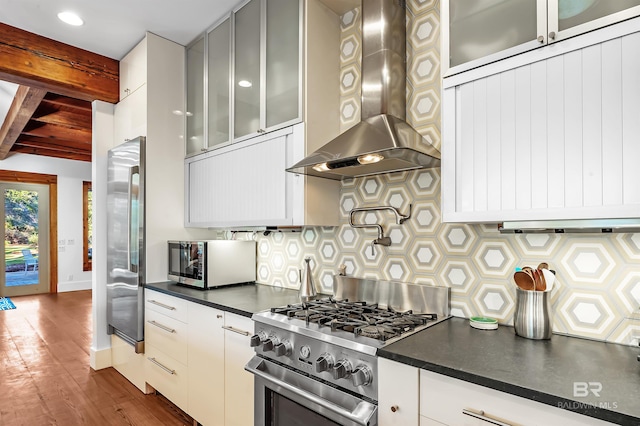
x=250 y=67
x=194 y=115
x=283 y=63
x=218 y=84
x=476 y=33
x=246 y=76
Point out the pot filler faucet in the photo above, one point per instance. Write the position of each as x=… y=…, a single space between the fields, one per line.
x=381 y=240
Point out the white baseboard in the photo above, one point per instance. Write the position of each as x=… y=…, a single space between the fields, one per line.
x=99 y=359
x=74 y=286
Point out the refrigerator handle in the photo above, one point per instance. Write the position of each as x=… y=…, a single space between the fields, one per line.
x=133 y=227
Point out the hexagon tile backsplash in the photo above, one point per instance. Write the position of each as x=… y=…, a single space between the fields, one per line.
x=597 y=292
x=598 y=276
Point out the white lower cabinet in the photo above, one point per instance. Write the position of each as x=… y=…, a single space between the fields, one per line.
x=445 y=401
x=398 y=390
x=195 y=356
x=238 y=383
x=206 y=365
x=166 y=375
x=410 y=396
x=165 y=331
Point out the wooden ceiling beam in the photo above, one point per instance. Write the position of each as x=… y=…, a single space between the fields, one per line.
x=54 y=144
x=52 y=153
x=23 y=106
x=32 y=60
x=62 y=118
x=52 y=131
x=66 y=102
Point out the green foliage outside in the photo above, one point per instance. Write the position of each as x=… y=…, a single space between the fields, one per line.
x=21 y=216
x=20 y=225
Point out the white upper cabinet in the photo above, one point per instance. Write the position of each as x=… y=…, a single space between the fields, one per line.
x=267 y=65
x=245 y=184
x=219 y=84
x=275 y=120
x=282 y=63
x=247 y=64
x=477 y=33
x=194 y=116
x=244 y=76
x=133 y=69
x=555 y=137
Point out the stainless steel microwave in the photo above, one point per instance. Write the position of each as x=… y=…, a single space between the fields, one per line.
x=214 y=263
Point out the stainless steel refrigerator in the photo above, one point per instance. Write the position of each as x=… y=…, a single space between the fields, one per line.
x=125 y=242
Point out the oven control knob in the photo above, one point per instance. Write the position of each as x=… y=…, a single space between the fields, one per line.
x=361 y=376
x=258 y=338
x=324 y=363
x=285 y=348
x=270 y=344
x=341 y=369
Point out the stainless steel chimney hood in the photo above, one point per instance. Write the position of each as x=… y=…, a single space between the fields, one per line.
x=382 y=142
x=598 y=226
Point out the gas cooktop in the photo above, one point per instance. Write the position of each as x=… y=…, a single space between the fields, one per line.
x=358 y=317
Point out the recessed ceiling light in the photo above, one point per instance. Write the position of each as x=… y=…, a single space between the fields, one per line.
x=244 y=83
x=70 y=18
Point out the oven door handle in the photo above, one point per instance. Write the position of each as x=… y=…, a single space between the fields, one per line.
x=361 y=415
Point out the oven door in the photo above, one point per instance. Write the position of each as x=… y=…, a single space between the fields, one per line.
x=284 y=397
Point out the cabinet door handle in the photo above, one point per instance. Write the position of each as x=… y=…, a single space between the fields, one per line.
x=162 y=305
x=235 y=330
x=163 y=327
x=165 y=368
x=552 y=35
x=480 y=414
x=541 y=39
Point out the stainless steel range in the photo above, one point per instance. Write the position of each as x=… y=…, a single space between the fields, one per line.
x=316 y=362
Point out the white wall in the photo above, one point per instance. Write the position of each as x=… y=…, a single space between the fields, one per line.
x=70 y=174
x=102 y=132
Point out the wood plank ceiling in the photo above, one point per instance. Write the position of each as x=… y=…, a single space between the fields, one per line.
x=51 y=112
x=49 y=124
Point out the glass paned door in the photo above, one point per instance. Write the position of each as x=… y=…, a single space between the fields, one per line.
x=247 y=70
x=25 y=208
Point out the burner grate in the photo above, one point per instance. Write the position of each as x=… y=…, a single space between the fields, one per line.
x=359 y=317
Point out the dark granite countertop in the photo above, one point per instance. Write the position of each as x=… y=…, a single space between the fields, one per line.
x=241 y=299
x=540 y=370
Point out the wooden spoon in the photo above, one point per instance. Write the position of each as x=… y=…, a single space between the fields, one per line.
x=542 y=282
x=524 y=280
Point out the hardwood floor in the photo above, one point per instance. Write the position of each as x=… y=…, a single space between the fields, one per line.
x=45 y=377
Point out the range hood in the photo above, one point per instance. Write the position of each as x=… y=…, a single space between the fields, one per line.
x=598 y=226
x=382 y=142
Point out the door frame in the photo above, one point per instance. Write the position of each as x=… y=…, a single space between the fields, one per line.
x=52 y=182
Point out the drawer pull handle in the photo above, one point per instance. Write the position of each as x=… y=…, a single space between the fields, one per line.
x=235 y=330
x=394 y=408
x=480 y=414
x=167 y=369
x=163 y=327
x=162 y=305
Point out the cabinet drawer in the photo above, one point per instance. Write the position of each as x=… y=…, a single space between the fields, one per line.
x=443 y=399
x=167 y=305
x=167 y=376
x=166 y=334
